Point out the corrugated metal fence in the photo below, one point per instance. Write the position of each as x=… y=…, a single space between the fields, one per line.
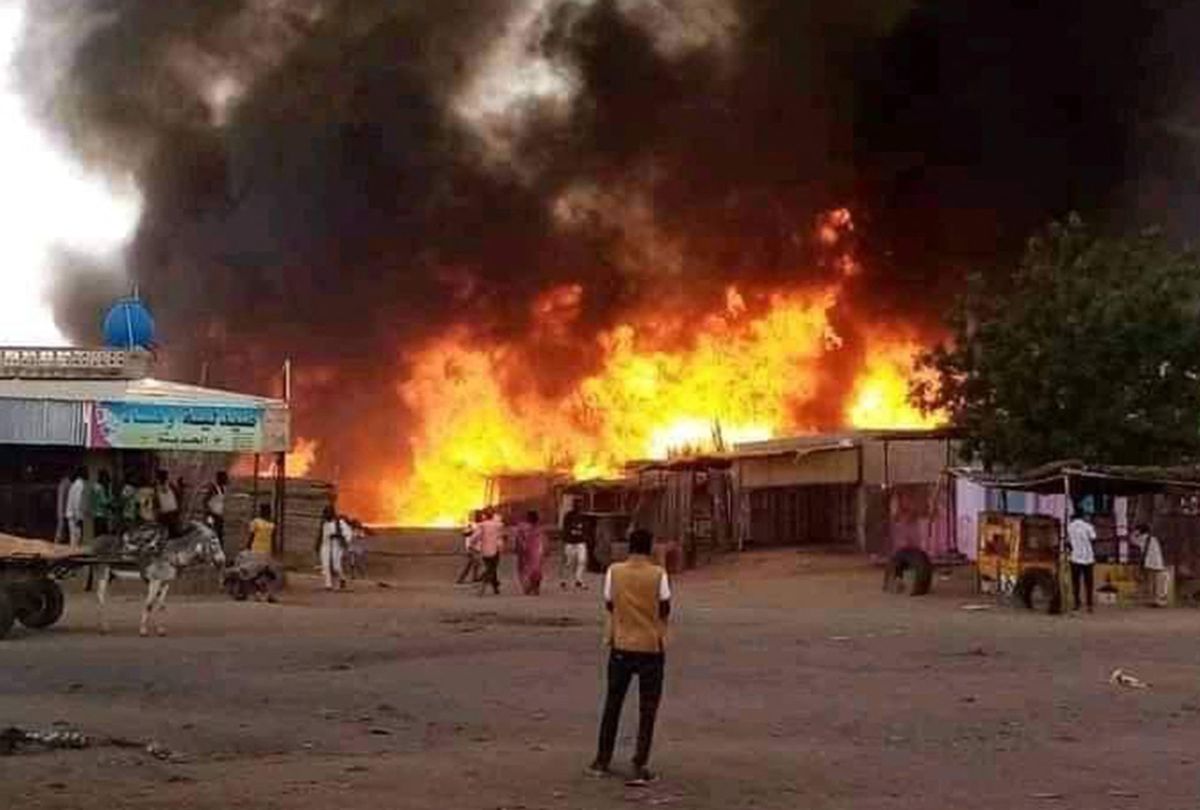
x=47 y=422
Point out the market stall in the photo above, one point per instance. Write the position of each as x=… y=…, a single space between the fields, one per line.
x=1022 y=552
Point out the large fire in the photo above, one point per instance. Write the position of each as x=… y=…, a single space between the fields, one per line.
x=661 y=385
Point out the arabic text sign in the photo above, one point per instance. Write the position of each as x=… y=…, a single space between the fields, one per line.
x=138 y=426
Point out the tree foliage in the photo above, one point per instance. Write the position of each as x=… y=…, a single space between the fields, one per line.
x=1090 y=351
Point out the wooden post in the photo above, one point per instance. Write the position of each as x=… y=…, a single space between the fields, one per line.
x=280 y=502
x=1062 y=536
x=281 y=470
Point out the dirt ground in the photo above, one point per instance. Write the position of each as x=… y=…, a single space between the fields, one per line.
x=793 y=682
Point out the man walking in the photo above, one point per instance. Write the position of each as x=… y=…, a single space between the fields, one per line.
x=638 y=598
x=76 y=507
x=471 y=536
x=574 y=559
x=1080 y=536
x=1156 y=568
x=491 y=543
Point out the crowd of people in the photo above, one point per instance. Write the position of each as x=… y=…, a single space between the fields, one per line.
x=486 y=537
x=137 y=502
x=165 y=503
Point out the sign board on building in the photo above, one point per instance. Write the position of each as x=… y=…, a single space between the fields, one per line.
x=146 y=426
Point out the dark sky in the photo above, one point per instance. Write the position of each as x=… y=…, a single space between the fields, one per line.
x=351 y=198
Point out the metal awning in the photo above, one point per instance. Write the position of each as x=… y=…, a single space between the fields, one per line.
x=1083 y=479
x=141 y=414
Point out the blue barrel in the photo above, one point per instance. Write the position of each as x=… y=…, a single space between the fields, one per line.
x=129 y=325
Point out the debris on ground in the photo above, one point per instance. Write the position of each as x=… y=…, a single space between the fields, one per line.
x=977 y=606
x=15 y=740
x=1122 y=794
x=839 y=638
x=1047 y=796
x=159 y=751
x=1120 y=677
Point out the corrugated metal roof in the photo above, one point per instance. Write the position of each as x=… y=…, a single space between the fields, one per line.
x=143 y=390
x=848 y=438
x=1088 y=478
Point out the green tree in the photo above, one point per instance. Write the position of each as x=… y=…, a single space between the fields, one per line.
x=1090 y=351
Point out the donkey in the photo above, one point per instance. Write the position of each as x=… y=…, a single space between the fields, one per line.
x=156 y=559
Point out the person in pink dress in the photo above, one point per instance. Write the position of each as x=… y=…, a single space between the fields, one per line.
x=530 y=548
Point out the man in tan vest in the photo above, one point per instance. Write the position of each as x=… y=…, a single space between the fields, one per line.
x=638 y=597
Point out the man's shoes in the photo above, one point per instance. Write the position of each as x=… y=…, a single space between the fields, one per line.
x=599 y=770
x=642 y=776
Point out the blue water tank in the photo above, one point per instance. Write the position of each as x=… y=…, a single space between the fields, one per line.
x=129 y=325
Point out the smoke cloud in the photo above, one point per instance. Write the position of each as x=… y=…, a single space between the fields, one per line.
x=334 y=180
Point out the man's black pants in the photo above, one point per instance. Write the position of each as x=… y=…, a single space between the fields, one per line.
x=491 y=573
x=622 y=666
x=1082 y=576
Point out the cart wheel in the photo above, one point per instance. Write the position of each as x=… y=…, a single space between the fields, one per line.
x=910 y=571
x=6 y=612
x=40 y=604
x=1038 y=590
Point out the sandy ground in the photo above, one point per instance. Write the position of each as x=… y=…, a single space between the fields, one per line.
x=793 y=682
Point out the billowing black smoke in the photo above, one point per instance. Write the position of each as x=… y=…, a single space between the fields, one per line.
x=333 y=180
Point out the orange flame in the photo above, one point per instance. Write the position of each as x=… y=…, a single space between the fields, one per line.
x=740 y=377
x=302 y=458
x=880 y=398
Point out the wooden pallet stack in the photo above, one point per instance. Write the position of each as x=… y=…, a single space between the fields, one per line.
x=306 y=499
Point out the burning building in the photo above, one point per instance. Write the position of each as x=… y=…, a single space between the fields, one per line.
x=530 y=234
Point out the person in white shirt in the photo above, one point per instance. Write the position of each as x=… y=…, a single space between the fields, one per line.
x=471 y=537
x=1080 y=536
x=76 y=505
x=335 y=537
x=1156 y=568
x=167 y=504
x=61 y=531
